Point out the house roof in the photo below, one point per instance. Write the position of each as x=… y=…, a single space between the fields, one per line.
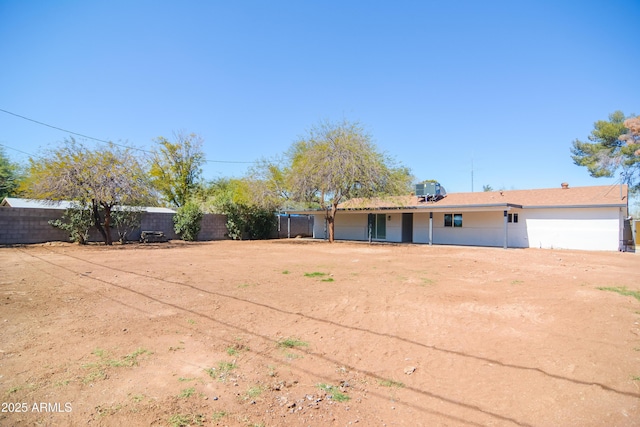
x=14 y=202
x=571 y=197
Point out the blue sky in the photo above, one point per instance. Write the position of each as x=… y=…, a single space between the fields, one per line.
x=440 y=85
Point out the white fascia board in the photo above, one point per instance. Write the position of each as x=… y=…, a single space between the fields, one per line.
x=439 y=208
x=408 y=209
x=624 y=205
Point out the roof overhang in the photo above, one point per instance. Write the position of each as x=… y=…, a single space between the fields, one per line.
x=621 y=205
x=494 y=207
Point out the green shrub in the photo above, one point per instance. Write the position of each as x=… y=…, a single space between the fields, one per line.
x=187 y=221
x=126 y=219
x=77 y=221
x=249 y=221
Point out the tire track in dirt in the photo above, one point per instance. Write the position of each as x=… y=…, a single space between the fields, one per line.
x=368 y=331
x=425 y=393
x=442 y=350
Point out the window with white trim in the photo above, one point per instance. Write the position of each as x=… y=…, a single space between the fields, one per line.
x=453 y=220
x=378 y=226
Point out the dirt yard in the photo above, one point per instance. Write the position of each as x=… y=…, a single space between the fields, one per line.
x=301 y=333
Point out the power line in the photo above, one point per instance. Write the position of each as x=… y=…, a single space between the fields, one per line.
x=53 y=127
x=15 y=149
x=101 y=140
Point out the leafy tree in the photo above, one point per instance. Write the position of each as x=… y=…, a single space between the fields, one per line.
x=487 y=188
x=9 y=176
x=338 y=161
x=614 y=145
x=268 y=184
x=78 y=221
x=102 y=178
x=187 y=221
x=216 y=195
x=176 y=167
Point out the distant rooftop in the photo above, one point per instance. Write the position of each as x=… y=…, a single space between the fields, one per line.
x=14 y=202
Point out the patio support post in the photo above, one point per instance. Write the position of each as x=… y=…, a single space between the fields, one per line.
x=326 y=225
x=505 y=244
x=430 y=228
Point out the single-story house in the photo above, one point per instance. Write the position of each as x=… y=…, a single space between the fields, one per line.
x=589 y=218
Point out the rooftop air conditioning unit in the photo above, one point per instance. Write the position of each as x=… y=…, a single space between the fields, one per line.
x=430 y=191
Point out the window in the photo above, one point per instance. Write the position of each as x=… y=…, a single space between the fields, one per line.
x=454 y=220
x=512 y=217
x=378 y=226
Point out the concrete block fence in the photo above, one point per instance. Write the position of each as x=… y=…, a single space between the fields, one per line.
x=22 y=225
x=31 y=225
x=213 y=227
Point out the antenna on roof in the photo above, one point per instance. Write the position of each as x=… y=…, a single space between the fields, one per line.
x=621 y=190
x=472 y=174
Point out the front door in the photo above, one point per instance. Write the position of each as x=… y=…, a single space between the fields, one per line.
x=407 y=228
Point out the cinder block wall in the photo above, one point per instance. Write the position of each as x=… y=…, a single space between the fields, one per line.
x=21 y=225
x=155 y=221
x=213 y=227
x=27 y=225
